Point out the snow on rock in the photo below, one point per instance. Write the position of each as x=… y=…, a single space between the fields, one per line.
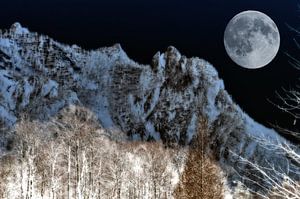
x=50 y=88
x=163 y=100
x=28 y=89
x=16 y=28
x=7 y=118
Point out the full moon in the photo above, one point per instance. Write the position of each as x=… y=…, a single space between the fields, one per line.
x=252 y=39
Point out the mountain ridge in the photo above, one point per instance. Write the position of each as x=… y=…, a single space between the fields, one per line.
x=163 y=100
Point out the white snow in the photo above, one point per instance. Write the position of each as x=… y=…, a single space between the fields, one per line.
x=136 y=163
x=50 y=88
x=192 y=128
x=257 y=130
x=7 y=87
x=228 y=195
x=5 y=43
x=154 y=101
x=171 y=115
x=162 y=61
x=135 y=108
x=214 y=87
x=103 y=113
x=145 y=80
x=8 y=118
x=28 y=89
x=18 y=29
x=211 y=110
x=150 y=128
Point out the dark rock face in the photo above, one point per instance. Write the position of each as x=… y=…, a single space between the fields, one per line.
x=158 y=101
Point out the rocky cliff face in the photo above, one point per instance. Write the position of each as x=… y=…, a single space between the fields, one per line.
x=163 y=100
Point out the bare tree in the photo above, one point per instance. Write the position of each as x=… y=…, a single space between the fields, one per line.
x=274 y=182
x=70 y=157
x=280 y=183
x=202 y=177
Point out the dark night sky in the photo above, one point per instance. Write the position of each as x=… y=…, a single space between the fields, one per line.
x=194 y=27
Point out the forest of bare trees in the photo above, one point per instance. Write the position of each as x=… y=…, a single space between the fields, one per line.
x=72 y=157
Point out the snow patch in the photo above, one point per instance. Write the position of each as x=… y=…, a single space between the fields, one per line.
x=257 y=130
x=18 y=29
x=50 y=88
x=150 y=128
x=5 y=43
x=28 y=89
x=8 y=118
x=214 y=87
x=191 y=128
x=103 y=112
x=162 y=61
x=7 y=88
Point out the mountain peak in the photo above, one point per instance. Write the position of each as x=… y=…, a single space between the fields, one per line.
x=17 y=28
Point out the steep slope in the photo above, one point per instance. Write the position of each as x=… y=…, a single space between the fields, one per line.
x=164 y=100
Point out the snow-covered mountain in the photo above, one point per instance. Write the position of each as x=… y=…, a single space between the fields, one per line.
x=163 y=100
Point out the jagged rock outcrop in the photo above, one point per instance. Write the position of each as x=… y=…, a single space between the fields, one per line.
x=164 y=100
